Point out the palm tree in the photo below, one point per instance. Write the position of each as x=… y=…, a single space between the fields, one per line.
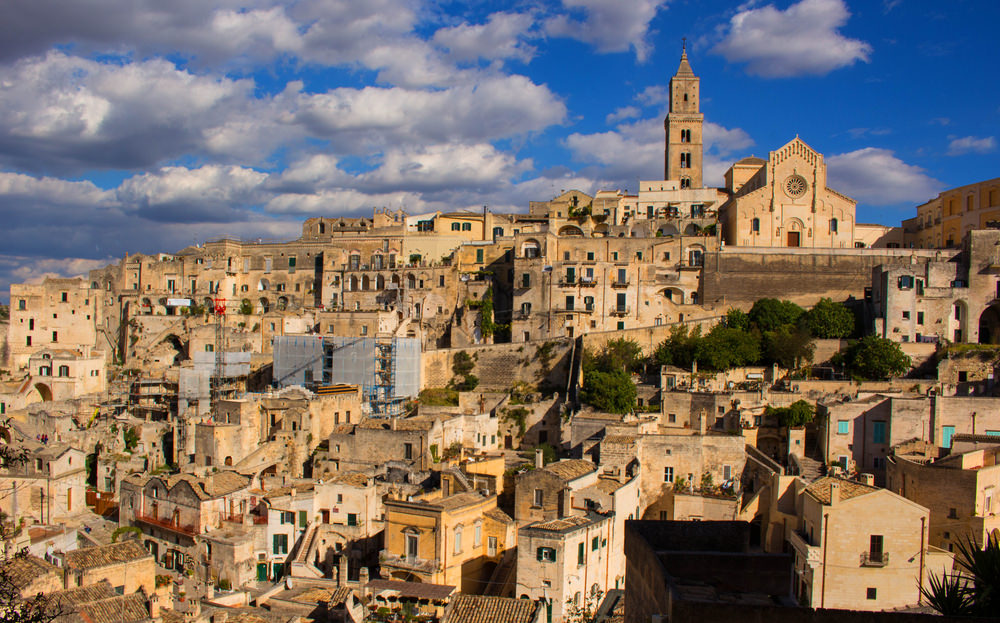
x=973 y=590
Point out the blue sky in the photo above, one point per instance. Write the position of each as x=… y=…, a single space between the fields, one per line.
x=143 y=126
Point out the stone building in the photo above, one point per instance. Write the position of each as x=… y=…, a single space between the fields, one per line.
x=948 y=295
x=546 y=493
x=127 y=566
x=564 y=561
x=61 y=374
x=458 y=539
x=945 y=220
x=784 y=202
x=174 y=512
x=959 y=490
x=876 y=564
x=48 y=487
x=858 y=434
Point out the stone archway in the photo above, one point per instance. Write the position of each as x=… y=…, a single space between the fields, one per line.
x=989 y=325
x=44 y=392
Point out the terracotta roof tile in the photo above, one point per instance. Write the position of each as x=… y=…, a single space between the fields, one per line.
x=820 y=490
x=24 y=570
x=570 y=469
x=104 y=555
x=488 y=609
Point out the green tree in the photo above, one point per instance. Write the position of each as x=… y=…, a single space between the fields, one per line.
x=246 y=307
x=724 y=348
x=612 y=392
x=769 y=314
x=679 y=349
x=737 y=319
x=788 y=346
x=829 y=320
x=874 y=357
x=620 y=354
x=462 y=363
x=799 y=413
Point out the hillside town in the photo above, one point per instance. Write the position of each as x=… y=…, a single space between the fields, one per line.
x=682 y=403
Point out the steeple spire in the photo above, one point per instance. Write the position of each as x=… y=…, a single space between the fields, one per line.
x=685 y=68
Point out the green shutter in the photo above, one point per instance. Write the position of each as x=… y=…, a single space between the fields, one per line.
x=275 y=544
x=538 y=554
x=303 y=519
x=579 y=553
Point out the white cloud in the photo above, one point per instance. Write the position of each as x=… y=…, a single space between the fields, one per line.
x=443 y=166
x=501 y=37
x=608 y=25
x=803 y=39
x=972 y=145
x=66 y=113
x=655 y=95
x=876 y=176
x=620 y=114
x=179 y=194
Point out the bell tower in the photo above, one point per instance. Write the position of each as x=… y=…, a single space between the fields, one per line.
x=683 y=153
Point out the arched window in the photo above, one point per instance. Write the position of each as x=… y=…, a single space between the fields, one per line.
x=755 y=225
x=45 y=371
x=63 y=370
x=458 y=540
x=833 y=226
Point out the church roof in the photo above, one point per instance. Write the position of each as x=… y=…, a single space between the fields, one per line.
x=751 y=160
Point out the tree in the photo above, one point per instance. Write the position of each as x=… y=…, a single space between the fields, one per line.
x=829 y=320
x=246 y=307
x=973 y=589
x=874 y=357
x=620 y=354
x=769 y=314
x=737 y=319
x=799 y=413
x=462 y=363
x=788 y=346
x=724 y=348
x=613 y=391
x=679 y=349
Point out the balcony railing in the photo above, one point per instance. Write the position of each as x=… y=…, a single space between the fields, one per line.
x=620 y=283
x=874 y=559
x=568 y=281
x=173 y=526
x=620 y=310
x=588 y=282
x=424 y=565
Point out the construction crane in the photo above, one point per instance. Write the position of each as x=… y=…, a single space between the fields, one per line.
x=215 y=381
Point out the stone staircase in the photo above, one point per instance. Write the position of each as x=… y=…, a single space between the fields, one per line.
x=301 y=566
x=809 y=469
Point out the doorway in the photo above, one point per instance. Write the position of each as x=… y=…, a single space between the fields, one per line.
x=793 y=238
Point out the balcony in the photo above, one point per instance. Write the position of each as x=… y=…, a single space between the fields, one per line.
x=800 y=543
x=568 y=282
x=522 y=314
x=874 y=559
x=588 y=282
x=620 y=310
x=419 y=565
x=586 y=309
x=620 y=283
x=173 y=526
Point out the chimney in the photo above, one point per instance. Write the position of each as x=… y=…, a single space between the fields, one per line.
x=867 y=479
x=392 y=423
x=154 y=606
x=363 y=576
x=702 y=422
x=539 y=459
x=834 y=493
x=342 y=574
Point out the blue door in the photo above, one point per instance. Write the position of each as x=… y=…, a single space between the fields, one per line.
x=946 y=434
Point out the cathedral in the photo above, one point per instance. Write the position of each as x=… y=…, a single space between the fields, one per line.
x=779 y=202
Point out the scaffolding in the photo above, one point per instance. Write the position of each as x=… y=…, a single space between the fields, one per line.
x=382 y=395
x=216 y=380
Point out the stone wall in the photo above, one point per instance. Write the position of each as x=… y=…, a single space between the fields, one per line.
x=650 y=337
x=740 y=276
x=499 y=366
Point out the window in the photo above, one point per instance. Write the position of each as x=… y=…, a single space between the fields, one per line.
x=280 y=544
x=875 y=547
x=685 y=136
x=525 y=280
x=291 y=261
x=727 y=472
x=545 y=554
x=408 y=451
x=668 y=473
x=905 y=282
x=456 y=227
x=833 y=226
x=580 y=553
x=878 y=432
x=871 y=592
x=21 y=304
x=920 y=317
x=287 y=517
x=411 y=546
x=64 y=297
x=843 y=427
x=539 y=497
x=906 y=315
x=479 y=256
x=477 y=535
x=55 y=336
x=952 y=513
x=755 y=225
x=27 y=340
x=63 y=371
x=685 y=160
x=458 y=539
x=466 y=226
x=590 y=258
